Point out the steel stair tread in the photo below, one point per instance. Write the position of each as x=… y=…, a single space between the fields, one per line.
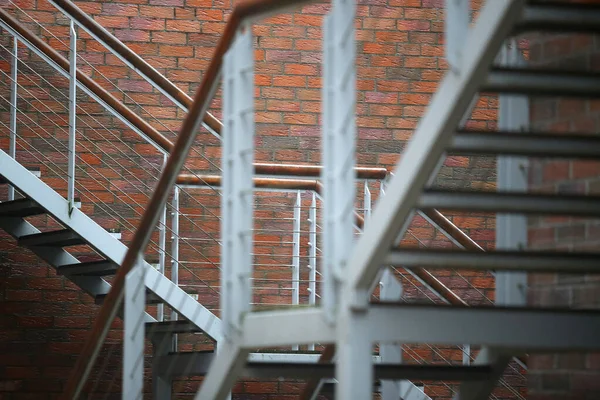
x=151 y=298
x=20 y=208
x=542 y=82
x=536 y=261
x=179 y=326
x=58 y=238
x=506 y=202
x=555 y=16
x=91 y=268
x=530 y=144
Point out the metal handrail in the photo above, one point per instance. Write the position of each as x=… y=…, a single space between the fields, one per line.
x=178 y=153
x=175 y=162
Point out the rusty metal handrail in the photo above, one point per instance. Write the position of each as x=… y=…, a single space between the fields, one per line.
x=177 y=157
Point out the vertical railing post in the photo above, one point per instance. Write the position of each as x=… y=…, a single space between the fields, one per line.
x=339 y=142
x=312 y=254
x=12 y=146
x=296 y=253
x=175 y=249
x=162 y=251
x=367 y=203
x=457 y=31
x=238 y=193
x=72 y=114
x=133 y=343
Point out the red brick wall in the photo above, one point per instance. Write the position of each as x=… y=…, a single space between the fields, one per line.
x=565 y=376
x=44 y=318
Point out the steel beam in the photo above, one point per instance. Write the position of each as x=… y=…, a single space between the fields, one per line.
x=428 y=143
x=103 y=242
x=286 y=328
x=511 y=202
x=518 y=329
x=502 y=260
x=559 y=17
x=542 y=82
x=536 y=144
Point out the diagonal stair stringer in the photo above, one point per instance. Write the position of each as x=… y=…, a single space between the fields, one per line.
x=102 y=241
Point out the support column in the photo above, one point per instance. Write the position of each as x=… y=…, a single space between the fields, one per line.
x=162 y=251
x=161 y=384
x=134 y=327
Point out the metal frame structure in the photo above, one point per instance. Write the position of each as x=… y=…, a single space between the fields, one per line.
x=352 y=266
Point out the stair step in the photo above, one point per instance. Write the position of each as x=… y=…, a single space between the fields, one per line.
x=181 y=326
x=505 y=202
x=542 y=82
x=92 y=268
x=151 y=298
x=382 y=371
x=556 y=16
x=532 y=261
x=526 y=144
x=61 y=238
x=20 y=208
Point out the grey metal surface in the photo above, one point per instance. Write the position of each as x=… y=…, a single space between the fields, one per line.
x=20 y=208
x=516 y=330
x=526 y=144
x=170 y=327
x=532 y=261
x=557 y=16
x=542 y=82
x=92 y=268
x=526 y=203
x=60 y=238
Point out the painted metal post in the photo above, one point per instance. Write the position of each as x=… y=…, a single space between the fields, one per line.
x=312 y=255
x=162 y=252
x=72 y=114
x=367 y=203
x=175 y=250
x=339 y=140
x=134 y=326
x=511 y=230
x=457 y=31
x=466 y=354
x=296 y=254
x=12 y=147
x=238 y=193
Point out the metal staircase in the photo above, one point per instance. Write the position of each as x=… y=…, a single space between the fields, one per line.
x=346 y=316
x=80 y=230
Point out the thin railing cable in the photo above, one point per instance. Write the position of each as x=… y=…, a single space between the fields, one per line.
x=105 y=207
x=113 y=84
x=108 y=155
x=207 y=185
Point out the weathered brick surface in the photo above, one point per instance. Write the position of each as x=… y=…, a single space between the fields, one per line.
x=564 y=376
x=45 y=318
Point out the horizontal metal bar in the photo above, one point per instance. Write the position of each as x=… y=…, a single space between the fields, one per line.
x=532 y=261
x=527 y=203
x=20 y=208
x=92 y=268
x=515 y=329
x=382 y=371
x=526 y=144
x=61 y=238
x=161 y=327
x=286 y=328
x=541 y=82
x=559 y=17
